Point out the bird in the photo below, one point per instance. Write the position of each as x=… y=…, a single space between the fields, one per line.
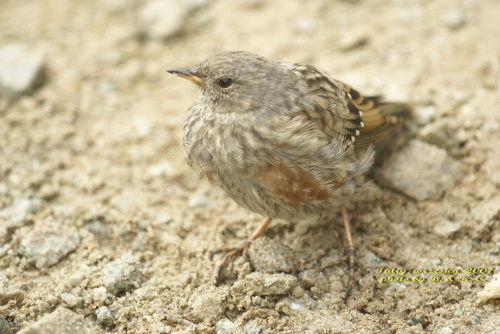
x=284 y=140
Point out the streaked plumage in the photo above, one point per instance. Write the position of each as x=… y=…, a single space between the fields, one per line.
x=284 y=140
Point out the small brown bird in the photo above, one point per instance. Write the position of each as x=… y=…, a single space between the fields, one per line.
x=284 y=140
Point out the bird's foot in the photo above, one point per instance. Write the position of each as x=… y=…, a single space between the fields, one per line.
x=230 y=254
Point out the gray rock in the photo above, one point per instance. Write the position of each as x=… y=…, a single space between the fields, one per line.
x=270 y=256
x=265 y=284
x=104 y=317
x=21 y=70
x=453 y=17
x=122 y=275
x=447 y=228
x=308 y=278
x=208 y=304
x=162 y=19
x=4 y=326
x=61 y=321
x=48 y=243
x=98 y=228
x=420 y=171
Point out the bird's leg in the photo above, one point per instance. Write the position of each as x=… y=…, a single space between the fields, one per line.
x=350 y=253
x=235 y=251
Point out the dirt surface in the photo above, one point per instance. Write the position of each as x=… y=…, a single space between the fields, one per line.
x=92 y=170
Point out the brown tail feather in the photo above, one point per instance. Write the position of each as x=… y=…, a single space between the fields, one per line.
x=381 y=121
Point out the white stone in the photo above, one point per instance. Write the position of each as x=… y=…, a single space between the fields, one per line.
x=21 y=69
x=491 y=289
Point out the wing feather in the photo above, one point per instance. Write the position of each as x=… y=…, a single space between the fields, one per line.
x=341 y=111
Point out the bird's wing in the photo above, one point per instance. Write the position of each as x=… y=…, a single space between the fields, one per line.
x=342 y=112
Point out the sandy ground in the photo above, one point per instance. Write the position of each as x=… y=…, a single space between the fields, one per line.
x=96 y=155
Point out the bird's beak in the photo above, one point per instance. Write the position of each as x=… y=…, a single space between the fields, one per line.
x=188 y=73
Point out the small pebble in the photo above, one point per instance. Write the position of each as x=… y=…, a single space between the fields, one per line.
x=453 y=18
x=97 y=228
x=122 y=275
x=301 y=304
x=163 y=168
x=254 y=327
x=77 y=277
x=70 y=300
x=48 y=192
x=424 y=115
x=447 y=228
x=100 y=295
x=445 y=330
x=9 y=292
x=104 y=317
x=224 y=326
x=146 y=293
x=198 y=201
x=270 y=256
x=308 y=278
x=297 y=291
x=21 y=70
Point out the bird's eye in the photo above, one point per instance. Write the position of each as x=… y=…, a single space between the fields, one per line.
x=225 y=82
